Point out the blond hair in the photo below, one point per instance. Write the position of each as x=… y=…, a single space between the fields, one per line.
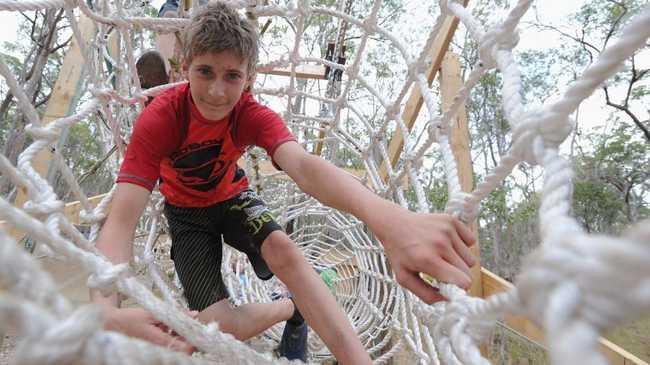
x=217 y=27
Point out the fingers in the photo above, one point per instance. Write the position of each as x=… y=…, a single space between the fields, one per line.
x=462 y=252
x=419 y=287
x=448 y=273
x=464 y=232
x=455 y=259
x=154 y=335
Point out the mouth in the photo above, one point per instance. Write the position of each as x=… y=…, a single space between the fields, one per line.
x=214 y=106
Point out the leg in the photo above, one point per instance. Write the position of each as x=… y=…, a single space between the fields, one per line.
x=310 y=293
x=247 y=207
x=313 y=298
x=247 y=320
x=196 y=251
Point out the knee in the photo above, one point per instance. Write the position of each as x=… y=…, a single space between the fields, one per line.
x=235 y=324
x=280 y=252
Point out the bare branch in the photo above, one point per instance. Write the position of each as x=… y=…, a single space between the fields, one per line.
x=618 y=20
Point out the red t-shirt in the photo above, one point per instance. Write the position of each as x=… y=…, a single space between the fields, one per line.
x=195 y=158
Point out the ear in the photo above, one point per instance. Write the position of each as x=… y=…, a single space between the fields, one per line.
x=250 y=81
x=185 y=67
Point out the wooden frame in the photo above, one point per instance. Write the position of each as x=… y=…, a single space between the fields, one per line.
x=414 y=103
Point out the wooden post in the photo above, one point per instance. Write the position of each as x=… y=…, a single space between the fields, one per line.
x=450 y=84
x=414 y=102
x=61 y=101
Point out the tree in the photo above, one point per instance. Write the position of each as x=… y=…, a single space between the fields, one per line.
x=589 y=32
x=41 y=50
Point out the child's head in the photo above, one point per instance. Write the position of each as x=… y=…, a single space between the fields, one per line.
x=220 y=53
x=217 y=27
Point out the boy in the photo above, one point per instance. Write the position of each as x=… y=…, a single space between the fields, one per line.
x=191 y=137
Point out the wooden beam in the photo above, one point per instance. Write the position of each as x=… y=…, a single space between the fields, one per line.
x=61 y=100
x=414 y=102
x=304 y=71
x=493 y=284
x=71 y=211
x=267 y=168
x=450 y=83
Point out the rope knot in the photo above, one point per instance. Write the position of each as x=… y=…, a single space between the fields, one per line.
x=370 y=24
x=106 y=281
x=457 y=332
x=547 y=127
x=44 y=208
x=495 y=40
x=570 y=277
x=436 y=128
x=459 y=206
x=104 y=95
x=91 y=217
x=42 y=133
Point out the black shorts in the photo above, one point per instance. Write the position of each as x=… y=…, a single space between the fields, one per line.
x=244 y=221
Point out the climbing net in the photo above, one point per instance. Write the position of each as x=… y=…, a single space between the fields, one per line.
x=570 y=286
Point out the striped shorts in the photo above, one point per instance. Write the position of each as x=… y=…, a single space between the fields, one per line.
x=244 y=222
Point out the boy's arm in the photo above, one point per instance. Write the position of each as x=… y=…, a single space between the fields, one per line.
x=434 y=244
x=115 y=241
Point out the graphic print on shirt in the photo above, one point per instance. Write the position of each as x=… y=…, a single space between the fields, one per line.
x=198 y=166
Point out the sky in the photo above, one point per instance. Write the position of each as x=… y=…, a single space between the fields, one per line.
x=548 y=11
x=9 y=20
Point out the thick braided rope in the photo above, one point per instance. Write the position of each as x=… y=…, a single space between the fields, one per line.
x=455 y=328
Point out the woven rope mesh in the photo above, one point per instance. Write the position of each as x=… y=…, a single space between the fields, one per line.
x=349 y=119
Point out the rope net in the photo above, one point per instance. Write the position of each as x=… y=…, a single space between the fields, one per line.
x=570 y=286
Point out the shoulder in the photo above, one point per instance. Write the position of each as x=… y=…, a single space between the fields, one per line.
x=163 y=119
x=165 y=110
x=170 y=102
x=250 y=111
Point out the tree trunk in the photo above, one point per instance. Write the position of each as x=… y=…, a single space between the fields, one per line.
x=32 y=79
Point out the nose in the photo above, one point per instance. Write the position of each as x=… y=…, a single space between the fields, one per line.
x=216 y=88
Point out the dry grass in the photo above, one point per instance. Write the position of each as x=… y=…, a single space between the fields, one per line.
x=634 y=338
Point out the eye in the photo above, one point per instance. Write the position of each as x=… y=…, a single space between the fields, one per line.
x=204 y=71
x=233 y=76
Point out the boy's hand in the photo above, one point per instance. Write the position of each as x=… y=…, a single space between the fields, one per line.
x=137 y=322
x=433 y=244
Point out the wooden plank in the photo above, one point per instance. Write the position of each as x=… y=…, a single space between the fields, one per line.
x=304 y=71
x=414 y=101
x=450 y=83
x=71 y=211
x=61 y=101
x=493 y=284
x=267 y=168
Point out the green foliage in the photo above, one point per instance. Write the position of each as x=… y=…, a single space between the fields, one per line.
x=613 y=182
x=596 y=206
x=437 y=195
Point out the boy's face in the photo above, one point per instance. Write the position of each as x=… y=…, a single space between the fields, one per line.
x=217 y=81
